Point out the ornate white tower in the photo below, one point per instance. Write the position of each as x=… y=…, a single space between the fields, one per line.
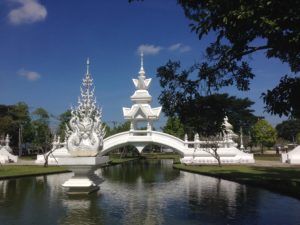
x=141 y=110
x=85 y=132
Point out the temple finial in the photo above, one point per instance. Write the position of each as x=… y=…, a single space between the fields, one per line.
x=88 y=66
x=142 y=59
x=142 y=71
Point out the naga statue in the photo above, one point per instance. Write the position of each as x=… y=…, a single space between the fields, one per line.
x=85 y=131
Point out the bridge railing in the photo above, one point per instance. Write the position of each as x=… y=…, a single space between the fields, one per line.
x=140 y=132
x=186 y=144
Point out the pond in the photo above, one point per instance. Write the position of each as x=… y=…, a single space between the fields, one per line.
x=144 y=192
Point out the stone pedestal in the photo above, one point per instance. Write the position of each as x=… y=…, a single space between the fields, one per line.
x=84 y=180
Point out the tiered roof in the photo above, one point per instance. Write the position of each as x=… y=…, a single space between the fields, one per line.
x=141 y=109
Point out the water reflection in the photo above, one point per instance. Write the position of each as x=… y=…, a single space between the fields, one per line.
x=149 y=192
x=82 y=210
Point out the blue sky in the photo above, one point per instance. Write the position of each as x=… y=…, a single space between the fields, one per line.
x=44 y=45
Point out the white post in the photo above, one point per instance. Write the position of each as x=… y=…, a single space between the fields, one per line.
x=242 y=145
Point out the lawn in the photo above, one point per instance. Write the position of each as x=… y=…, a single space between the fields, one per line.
x=267 y=157
x=8 y=171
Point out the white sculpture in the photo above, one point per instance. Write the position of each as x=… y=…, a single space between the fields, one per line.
x=85 y=131
x=6 y=152
x=291 y=157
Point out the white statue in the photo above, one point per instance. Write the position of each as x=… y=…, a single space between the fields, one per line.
x=85 y=132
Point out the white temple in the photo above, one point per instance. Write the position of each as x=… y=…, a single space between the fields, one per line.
x=199 y=154
x=6 y=152
x=292 y=157
x=141 y=110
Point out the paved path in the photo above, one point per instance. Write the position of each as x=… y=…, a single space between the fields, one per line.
x=269 y=163
x=23 y=162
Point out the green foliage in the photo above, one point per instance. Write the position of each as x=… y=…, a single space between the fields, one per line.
x=238 y=25
x=284 y=98
x=298 y=138
x=288 y=129
x=41 y=115
x=12 y=118
x=42 y=132
x=64 y=118
x=174 y=127
x=263 y=133
x=181 y=98
x=117 y=129
x=242 y=28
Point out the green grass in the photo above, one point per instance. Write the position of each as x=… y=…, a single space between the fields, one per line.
x=282 y=180
x=28 y=157
x=8 y=171
x=122 y=160
x=267 y=157
x=160 y=155
x=117 y=158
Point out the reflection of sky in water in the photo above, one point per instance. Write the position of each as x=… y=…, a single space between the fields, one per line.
x=144 y=194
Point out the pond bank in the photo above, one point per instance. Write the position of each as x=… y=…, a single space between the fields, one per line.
x=26 y=168
x=18 y=171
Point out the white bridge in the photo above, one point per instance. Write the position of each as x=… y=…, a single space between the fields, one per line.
x=141 y=138
x=191 y=152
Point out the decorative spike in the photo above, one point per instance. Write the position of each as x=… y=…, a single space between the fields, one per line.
x=88 y=66
x=142 y=71
x=7 y=140
x=142 y=60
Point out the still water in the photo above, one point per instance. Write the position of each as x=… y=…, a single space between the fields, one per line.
x=144 y=192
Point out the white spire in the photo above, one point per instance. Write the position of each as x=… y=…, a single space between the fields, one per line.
x=241 y=136
x=7 y=140
x=88 y=66
x=142 y=71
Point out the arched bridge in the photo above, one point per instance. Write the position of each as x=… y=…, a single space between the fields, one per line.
x=141 y=138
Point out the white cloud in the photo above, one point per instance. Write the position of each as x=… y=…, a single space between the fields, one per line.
x=179 y=47
x=175 y=47
x=185 y=48
x=28 y=11
x=149 y=49
x=29 y=75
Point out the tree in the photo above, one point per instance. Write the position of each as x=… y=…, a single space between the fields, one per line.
x=298 y=138
x=288 y=129
x=204 y=114
x=211 y=146
x=264 y=134
x=118 y=128
x=245 y=27
x=42 y=132
x=284 y=99
x=64 y=119
x=12 y=119
x=242 y=28
x=174 y=127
